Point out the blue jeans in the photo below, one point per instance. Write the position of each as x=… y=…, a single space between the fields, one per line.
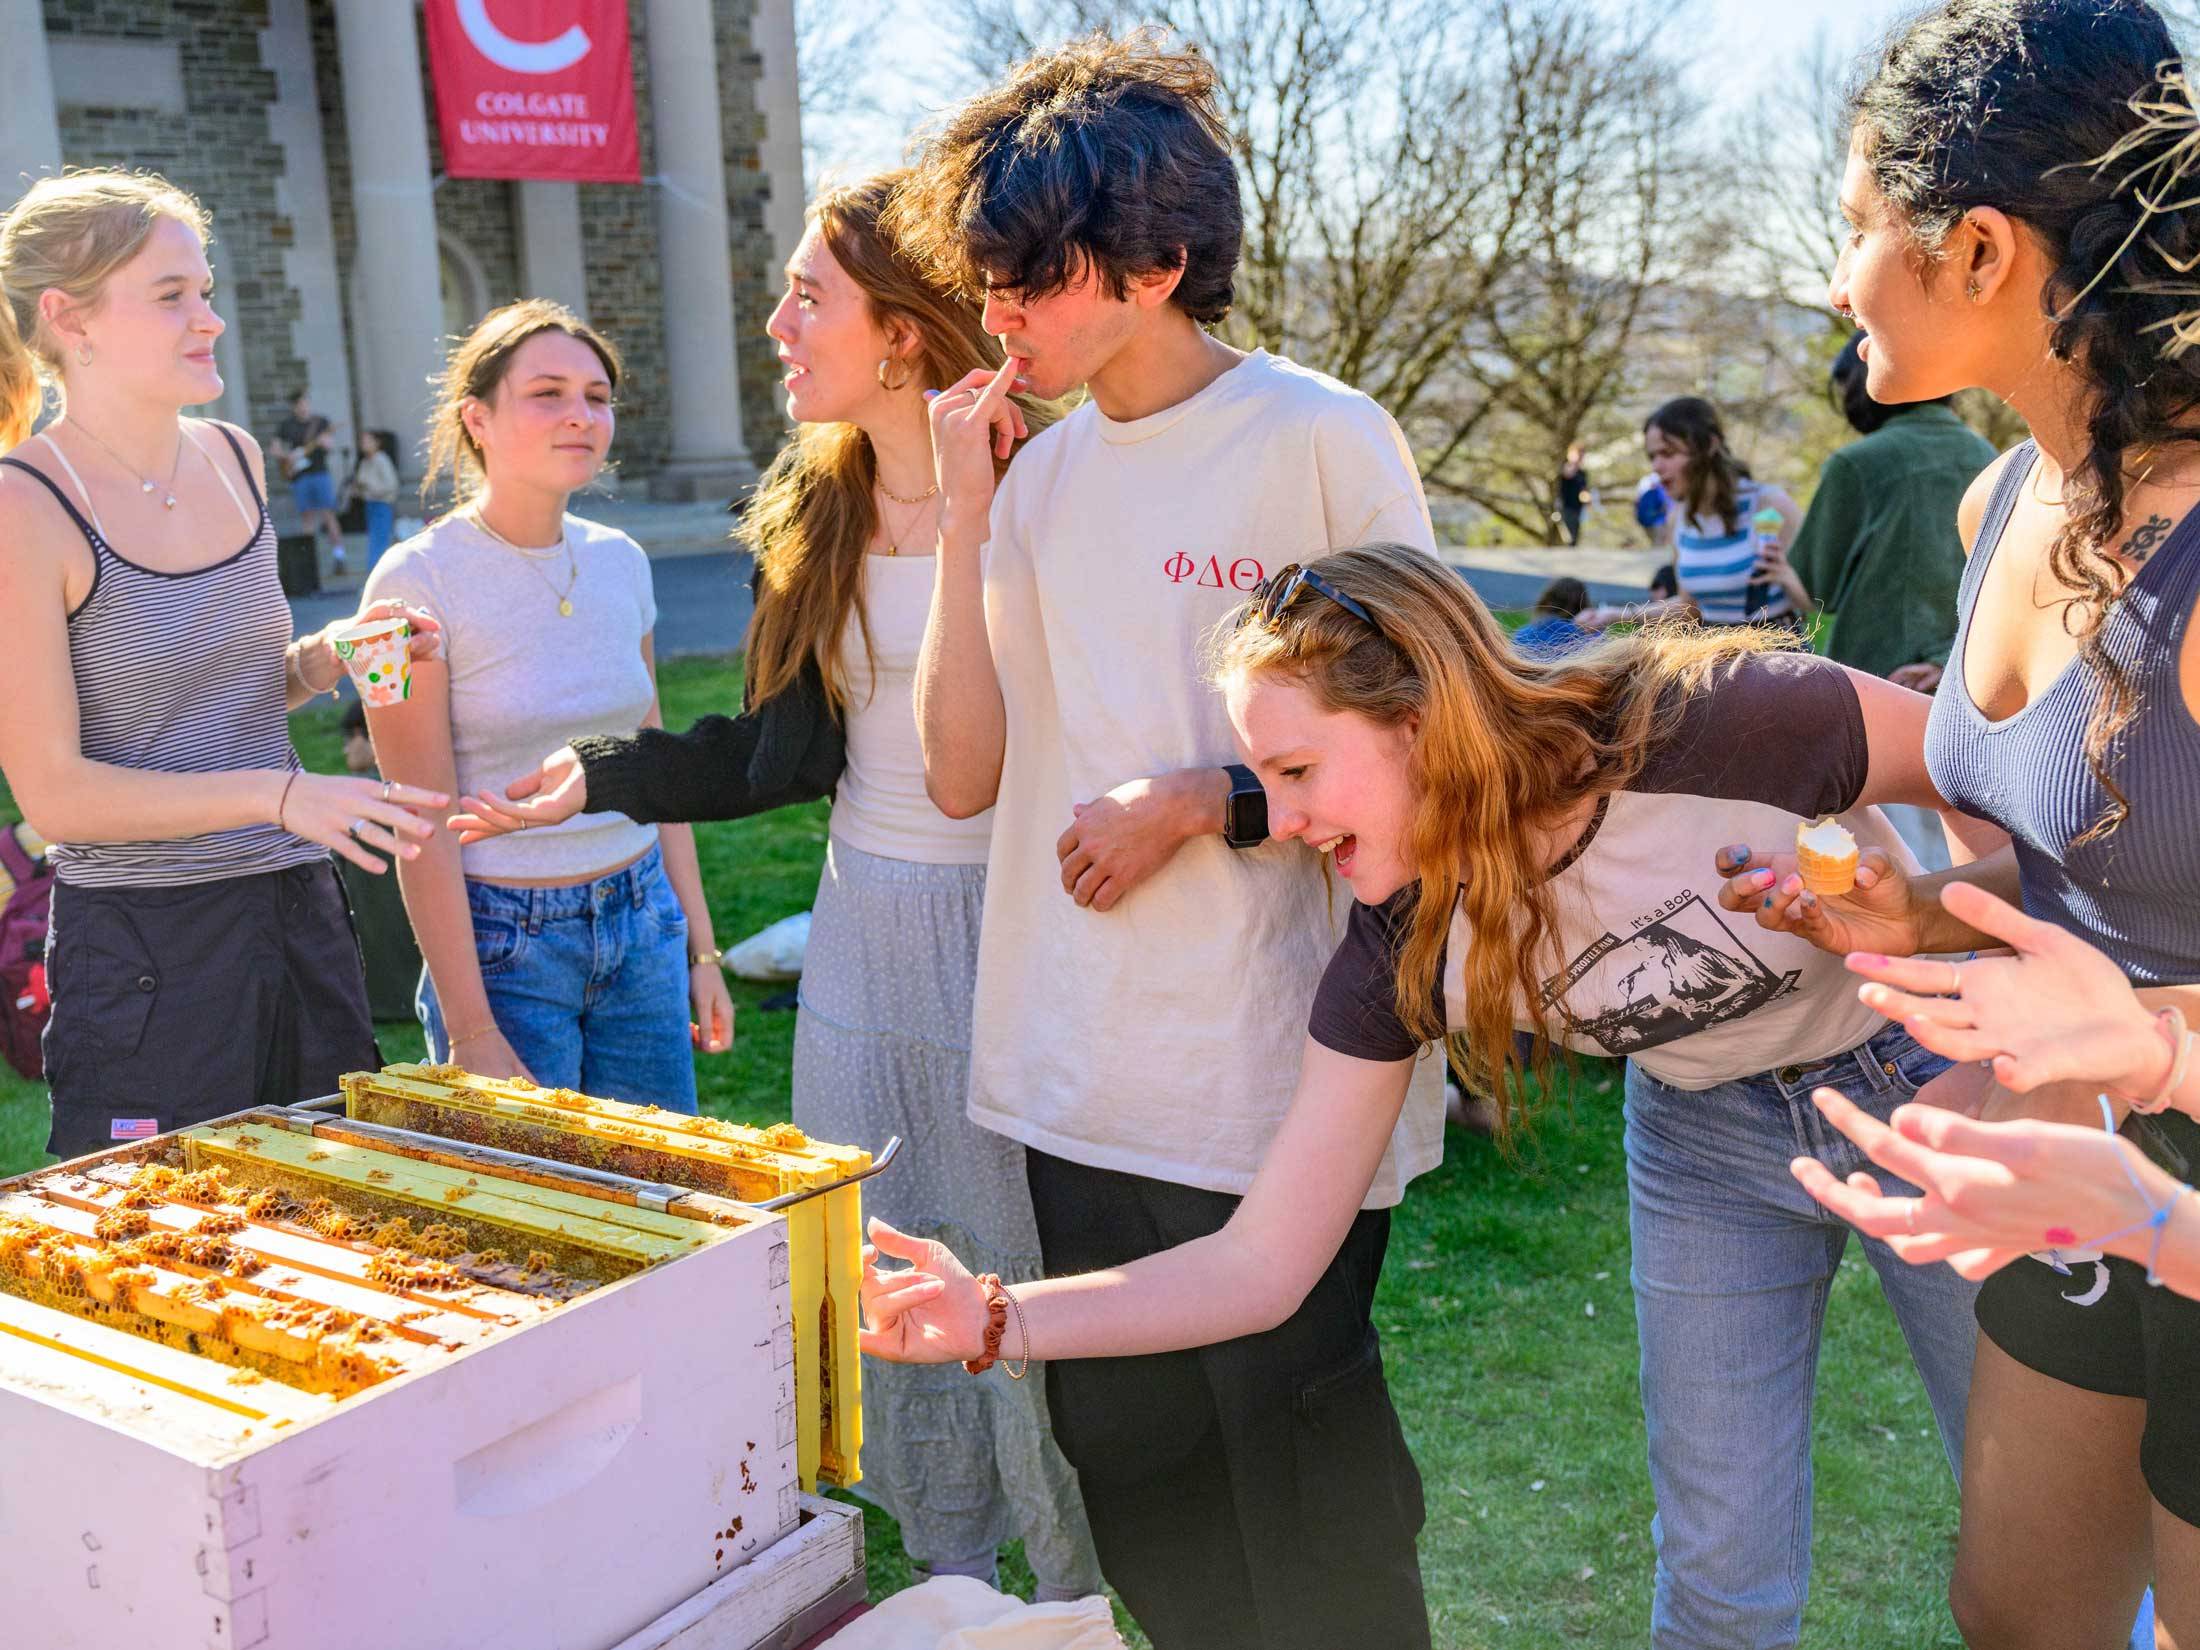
x=588 y=983
x=1732 y=1264
x=381 y=528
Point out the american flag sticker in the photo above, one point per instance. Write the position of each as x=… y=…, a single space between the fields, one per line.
x=132 y=1128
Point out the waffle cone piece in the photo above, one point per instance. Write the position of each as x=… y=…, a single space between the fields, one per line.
x=1825 y=857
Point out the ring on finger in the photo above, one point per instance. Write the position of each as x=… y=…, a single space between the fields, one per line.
x=1909 y=1215
x=358 y=827
x=386 y=790
x=1955 y=981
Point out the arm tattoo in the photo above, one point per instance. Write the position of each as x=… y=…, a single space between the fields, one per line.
x=2146 y=539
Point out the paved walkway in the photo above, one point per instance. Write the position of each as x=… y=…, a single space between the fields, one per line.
x=703 y=586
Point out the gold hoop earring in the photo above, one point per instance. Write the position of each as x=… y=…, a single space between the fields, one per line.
x=84 y=355
x=901 y=383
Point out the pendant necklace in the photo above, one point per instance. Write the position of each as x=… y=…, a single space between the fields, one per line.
x=565 y=542
x=894 y=540
x=145 y=483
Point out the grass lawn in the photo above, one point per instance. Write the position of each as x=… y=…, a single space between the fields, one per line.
x=1507 y=1322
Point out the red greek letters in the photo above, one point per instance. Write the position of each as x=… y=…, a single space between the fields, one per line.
x=1244 y=573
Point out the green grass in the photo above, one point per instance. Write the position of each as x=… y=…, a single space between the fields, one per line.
x=1502 y=1377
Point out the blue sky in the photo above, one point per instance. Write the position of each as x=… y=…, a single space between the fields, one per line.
x=1754 y=36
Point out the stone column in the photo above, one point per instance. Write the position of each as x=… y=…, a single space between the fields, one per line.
x=551 y=261
x=779 y=97
x=394 y=335
x=708 y=455
x=30 y=130
x=301 y=194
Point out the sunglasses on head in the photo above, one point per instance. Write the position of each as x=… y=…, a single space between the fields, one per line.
x=1273 y=596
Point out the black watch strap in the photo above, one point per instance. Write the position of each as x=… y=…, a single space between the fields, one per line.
x=1245 y=815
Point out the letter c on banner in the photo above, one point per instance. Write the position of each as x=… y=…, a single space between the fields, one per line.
x=520 y=56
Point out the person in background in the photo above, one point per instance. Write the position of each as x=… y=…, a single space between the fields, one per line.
x=1653 y=510
x=200 y=955
x=302 y=445
x=1551 y=629
x=1730 y=572
x=574 y=953
x=1665 y=584
x=1574 y=494
x=1879 y=551
x=374 y=480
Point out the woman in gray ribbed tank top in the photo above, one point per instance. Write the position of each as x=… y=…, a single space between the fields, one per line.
x=1993 y=246
x=200 y=955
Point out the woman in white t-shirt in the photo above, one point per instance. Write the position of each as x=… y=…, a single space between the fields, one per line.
x=572 y=954
x=843 y=527
x=1465 y=788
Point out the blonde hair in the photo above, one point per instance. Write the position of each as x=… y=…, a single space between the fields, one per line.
x=1508 y=745
x=69 y=234
x=813 y=511
x=474 y=371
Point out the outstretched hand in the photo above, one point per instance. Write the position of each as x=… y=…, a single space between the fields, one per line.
x=552 y=794
x=930 y=1312
x=1991 y=1191
x=2055 y=1011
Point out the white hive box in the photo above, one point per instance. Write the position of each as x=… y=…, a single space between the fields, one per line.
x=547 y=1474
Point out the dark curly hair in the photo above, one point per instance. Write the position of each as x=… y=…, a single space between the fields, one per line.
x=2033 y=107
x=1105 y=151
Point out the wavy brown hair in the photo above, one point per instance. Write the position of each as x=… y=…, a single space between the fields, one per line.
x=475 y=372
x=1508 y=746
x=2074 y=117
x=814 y=511
x=1714 y=475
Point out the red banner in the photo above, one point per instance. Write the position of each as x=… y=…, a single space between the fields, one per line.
x=540 y=89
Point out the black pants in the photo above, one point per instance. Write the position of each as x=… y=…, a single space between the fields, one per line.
x=175 y=1005
x=1254 y=1493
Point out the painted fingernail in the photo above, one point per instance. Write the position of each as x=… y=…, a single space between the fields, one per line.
x=1762 y=879
x=2061 y=1236
x=1767 y=904
x=1866 y=959
x=931 y=395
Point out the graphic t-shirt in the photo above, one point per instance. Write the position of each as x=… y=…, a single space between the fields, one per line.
x=1647 y=965
x=1162 y=1038
x=300 y=436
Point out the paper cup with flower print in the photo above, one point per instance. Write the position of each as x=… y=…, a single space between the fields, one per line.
x=379 y=657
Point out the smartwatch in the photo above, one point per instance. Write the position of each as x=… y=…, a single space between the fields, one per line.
x=1245 y=815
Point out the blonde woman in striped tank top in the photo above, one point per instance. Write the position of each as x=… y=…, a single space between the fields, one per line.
x=201 y=954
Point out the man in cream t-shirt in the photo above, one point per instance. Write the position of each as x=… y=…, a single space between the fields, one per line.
x=1143 y=985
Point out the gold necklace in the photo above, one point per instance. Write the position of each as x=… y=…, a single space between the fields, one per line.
x=894 y=540
x=565 y=541
x=898 y=499
x=145 y=482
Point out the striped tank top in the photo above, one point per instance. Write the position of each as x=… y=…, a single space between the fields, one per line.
x=2135 y=893
x=180 y=673
x=1712 y=563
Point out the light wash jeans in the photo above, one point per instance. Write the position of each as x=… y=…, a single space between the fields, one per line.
x=588 y=983
x=1732 y=1264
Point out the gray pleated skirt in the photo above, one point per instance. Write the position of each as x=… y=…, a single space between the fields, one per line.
x=882 y=1047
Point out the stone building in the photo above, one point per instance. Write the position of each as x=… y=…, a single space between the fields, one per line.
x=343 y=256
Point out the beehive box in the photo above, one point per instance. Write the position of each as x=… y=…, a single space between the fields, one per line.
x=264 y=1383
x=825 y=1234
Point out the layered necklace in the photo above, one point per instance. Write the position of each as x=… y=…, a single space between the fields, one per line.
x=146 y=484
x=534 y=559
x=896 y=539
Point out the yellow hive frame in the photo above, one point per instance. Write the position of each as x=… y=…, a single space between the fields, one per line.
x=824 y=1234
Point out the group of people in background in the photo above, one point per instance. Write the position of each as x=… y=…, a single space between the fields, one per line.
x=1079 y=935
